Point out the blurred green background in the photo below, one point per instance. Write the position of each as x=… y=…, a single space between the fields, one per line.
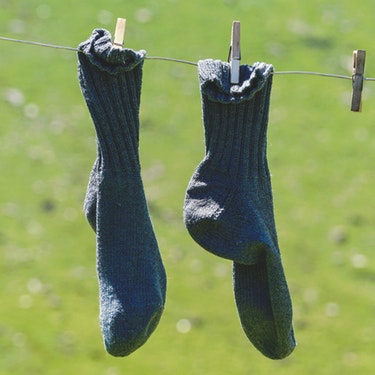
x=321 y=157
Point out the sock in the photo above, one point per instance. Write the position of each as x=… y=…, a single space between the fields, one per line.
x=228 y=207
x=131 y=275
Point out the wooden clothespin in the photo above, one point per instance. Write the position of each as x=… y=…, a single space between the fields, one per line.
x=359 y=58
x=235 y=53
x=118 y=40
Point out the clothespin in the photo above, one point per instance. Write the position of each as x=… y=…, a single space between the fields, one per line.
x=359 y=58
x=235 y=53
x=118 y=40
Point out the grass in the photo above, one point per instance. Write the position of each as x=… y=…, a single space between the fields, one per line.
x=320 y=154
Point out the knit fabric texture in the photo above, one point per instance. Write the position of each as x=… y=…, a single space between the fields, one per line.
x=228 y=207
x=131 y=275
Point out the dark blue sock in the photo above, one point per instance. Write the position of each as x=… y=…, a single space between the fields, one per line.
x=228 y=207
x=131 y=275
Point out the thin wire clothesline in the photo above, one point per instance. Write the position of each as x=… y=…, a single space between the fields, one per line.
x=179 y=60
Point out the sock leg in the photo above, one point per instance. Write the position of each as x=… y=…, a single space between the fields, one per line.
x=131 y=275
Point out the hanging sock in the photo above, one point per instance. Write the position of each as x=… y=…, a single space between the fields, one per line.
x=131 y=275
x=228 y=207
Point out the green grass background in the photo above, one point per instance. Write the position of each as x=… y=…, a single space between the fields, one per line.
x=321 y=157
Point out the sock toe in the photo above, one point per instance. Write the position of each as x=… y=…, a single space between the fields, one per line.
x=121 y=339
x=264 y=308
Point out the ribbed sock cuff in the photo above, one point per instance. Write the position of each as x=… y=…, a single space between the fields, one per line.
x=111 y=80
x=236 y=116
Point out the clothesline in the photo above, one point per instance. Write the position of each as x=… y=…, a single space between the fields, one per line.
x=297 y=72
